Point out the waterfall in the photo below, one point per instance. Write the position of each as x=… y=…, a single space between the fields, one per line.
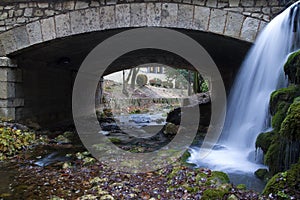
x=260 y=74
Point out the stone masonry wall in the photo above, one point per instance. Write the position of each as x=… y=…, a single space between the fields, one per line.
x=18 y=12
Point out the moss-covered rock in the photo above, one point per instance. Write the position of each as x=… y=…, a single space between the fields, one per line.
x=292 y=67
x=264 y=141
x=285 y=185
x=261 y=173
x=214 y=194
x=285 y=95
x=273 y=157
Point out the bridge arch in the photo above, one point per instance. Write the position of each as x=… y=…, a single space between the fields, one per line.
x=130 y=15
x=31 y=80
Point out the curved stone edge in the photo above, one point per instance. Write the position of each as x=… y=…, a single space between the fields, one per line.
x=171 y=15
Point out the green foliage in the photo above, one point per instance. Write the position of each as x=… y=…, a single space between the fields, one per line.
x=141 y=80
x=204 y=86
x=155 y=82
x=285 y=185
x=292 y=67
x=115 y=140
x=264 y=141
x=12 y=141
x=219 y=177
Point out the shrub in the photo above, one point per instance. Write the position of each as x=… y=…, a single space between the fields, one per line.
x=141 y=80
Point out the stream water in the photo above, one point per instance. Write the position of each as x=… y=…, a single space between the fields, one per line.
x=260 y=74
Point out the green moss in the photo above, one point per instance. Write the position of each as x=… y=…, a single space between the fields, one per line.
x=290 y=127
x=273 y=157
x=241 y=187
x=214 y=194
x=219 y=177
x=292 y=67
x=280 y=114
x=261 y=173
x=264 y=141
x=285 y=184
x=286 y=95
x=115 y=140
x=185 y=156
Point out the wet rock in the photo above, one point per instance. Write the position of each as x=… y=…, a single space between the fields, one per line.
x=140 y=119
x=170 y=129
x=51 y=159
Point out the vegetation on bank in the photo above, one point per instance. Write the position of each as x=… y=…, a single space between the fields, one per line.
x=281 y=146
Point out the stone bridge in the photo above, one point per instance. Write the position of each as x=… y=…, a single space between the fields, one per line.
x=43 y=42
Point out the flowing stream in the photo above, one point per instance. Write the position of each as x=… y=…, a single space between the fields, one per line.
x=260 y=74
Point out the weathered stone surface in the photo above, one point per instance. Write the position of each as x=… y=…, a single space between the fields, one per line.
x=8 y=42
x=48 y=29
x=185 y=16
x=262 y=26
x=11 y=103
x=34 y=32
x=249 y=29
x=68 y=5
x=78 y=22
x=123 y=15
x=21 y=37
x=43 y=5
x=28 y=12
x=212 y=3
x=234 y=3
x=81 y=5
x=63 y=27
x=261 y=3
x=7 y=90
x=8 y=74
x=153 y=14
x=217 y=21
x=107 y=17
x=234 y=24
x=92 y=19
x=199 y=2
x=138 y=14
x=169 y=14
x=201 y=18
x=247 y=3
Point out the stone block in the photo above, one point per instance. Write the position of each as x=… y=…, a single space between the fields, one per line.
x=234 y=24
x=201 y=18
x=262 y=3
x=21 y=37
x=199 y=2
x=262 y=26
x=169 y=14
x=7 y=90
x=7 y=62
x=211 y=3
x=68 y=5
x=62 y=25
x=185 y=16
x=48 y=29
x=10 y=75
x=122 y=15
x=34 y=32
x=78 y=21
x=217 y=21
x=92 y=19
x=43 y=5
x=28 y=12
x=81 y=5
x=8 y=42
x=234 y=3
x=8 y=113
x=107 y=17
x=247 y=3
x=153 y=14
x=11 y=103
x=138 y=14
x=249 y=29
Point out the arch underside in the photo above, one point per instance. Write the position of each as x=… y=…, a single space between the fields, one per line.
x=50 y=51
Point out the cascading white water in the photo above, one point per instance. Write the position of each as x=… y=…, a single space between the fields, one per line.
x=247 y=114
